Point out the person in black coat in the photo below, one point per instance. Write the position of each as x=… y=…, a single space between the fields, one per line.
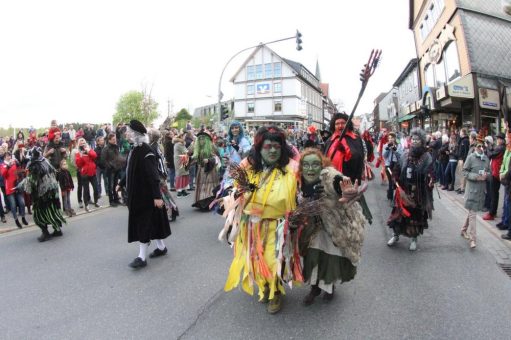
x=148 y=218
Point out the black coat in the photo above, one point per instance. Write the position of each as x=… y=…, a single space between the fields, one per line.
x=146 y=222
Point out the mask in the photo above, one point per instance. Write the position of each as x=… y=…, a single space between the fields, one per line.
x=270 y=152
x=311 y=168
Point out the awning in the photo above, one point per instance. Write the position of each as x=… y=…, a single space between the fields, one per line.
x=407 y=117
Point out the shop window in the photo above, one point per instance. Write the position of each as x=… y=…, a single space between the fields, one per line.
x=452 y=63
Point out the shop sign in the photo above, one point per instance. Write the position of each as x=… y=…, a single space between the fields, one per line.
x=263 y=88
x=462 y=88
x=441 y=93
x=489 y=99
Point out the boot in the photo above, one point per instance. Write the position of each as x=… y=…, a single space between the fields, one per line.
x=393 y=240
x=45 y=236
x=329 y=297
x=309 y=298
x=413 y=244
x=24 y=220
x=57 y=232
x=29 y=210
x=275 y=304
x=18 y=224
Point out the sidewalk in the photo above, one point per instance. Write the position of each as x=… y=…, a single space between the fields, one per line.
x=11 y=225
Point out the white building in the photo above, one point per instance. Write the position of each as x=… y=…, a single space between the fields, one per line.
x=269 y=89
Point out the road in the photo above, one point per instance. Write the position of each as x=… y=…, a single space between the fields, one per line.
x=80 y=286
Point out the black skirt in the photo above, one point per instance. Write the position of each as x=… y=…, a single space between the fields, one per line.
x=147 y=225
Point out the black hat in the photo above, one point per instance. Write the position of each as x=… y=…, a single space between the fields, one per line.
x=205 y=133
x=501 y=136
x=135 y=125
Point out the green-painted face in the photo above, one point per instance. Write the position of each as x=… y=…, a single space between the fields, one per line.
x=270 y=152
x=311 y=168
x=202 y=140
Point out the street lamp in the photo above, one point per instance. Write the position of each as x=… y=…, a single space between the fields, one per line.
x=297 y=36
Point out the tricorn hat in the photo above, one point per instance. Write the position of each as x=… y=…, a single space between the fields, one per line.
x=136 y=125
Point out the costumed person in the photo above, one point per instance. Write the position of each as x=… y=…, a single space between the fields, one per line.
x=476 y=169
x=204 y=152
x=413 y=201
x=348 y=156
x=181 y=162
x=384 y=139
x=330 y=224
x=43 y=187
x=264 y=194
x=170 y=203
x=391 y=154
x=148 y=218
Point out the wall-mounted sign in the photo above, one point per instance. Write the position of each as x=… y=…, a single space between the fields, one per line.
x=462 y=88
x=434 y=53
x=489 y=99
x=263 y=88
x=441 y=93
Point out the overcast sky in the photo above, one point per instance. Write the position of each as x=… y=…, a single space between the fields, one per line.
x=72 y=60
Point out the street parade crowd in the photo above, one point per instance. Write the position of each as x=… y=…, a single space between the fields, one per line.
x=293 y=200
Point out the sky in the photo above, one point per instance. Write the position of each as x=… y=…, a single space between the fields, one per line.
x=73 y=60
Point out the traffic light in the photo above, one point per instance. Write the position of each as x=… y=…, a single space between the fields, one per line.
x=298 y=40
x=224 y=112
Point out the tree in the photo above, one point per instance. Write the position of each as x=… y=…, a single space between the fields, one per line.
x=183 y=114
x=136 y=105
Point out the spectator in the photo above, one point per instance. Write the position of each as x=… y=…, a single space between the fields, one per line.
x=100 y=165
x=114 y=162
x=450 y=171
x=463 y=151
x=14 y=195
x=55 y=151
x=66 y=137
x=181 y=159
x=66 y=186
x=72 y=133
x=443 y=158
x=391 y=153
x=475 y=169
x=168 y=150
x=79 y=183
x=495 y=155
x=85 y=159
x=504 y=175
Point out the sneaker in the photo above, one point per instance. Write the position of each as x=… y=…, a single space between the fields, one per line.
x=502 y=226
x=191 y=188
x=80 y=204
x=464 y=235
x=24 y=220
x=73 y=212
x=413 y=244
x=506 y=236
x=157 y=252
x=4 y=220
x=488 y=217
x=472 y=244
x=184 y=194
x=138 y=263
x=275 y=304
x=87 y=208
x=179 y=193
x=97 y=205
x=18 y=224
x=461 y=192
x=393 y=240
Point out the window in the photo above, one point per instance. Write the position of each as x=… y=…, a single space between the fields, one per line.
x=277 y=88
x=268 y=70
x=250 y=72
x=250 y=107
x=452 y=63
x=250 y=88
x=277 y=70
x=277 y=106
x=259 y=71
x=440 y=74
x=430 y=75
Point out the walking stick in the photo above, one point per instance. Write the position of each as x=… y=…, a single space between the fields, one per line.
x=366 y=73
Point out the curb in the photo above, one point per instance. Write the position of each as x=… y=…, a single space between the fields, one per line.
x=32 y=224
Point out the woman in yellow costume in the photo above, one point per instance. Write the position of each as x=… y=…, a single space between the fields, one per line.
x=265 y=251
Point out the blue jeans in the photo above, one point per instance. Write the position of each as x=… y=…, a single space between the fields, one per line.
x=102 y=173
x=505 y=209
x=450 y=173
x=16 y=199
x=171 y=177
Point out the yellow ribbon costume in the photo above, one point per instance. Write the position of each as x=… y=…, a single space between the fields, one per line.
x=262 y=247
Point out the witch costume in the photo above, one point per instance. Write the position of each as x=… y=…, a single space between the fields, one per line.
x=207 y=171
x=43 y=187
x=413 y=200
x=146 y=222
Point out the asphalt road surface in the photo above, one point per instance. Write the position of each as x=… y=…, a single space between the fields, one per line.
x=80 y=286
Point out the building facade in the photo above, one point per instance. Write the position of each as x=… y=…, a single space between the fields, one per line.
x=464 y=63
x=269 y=89
x=407 y=95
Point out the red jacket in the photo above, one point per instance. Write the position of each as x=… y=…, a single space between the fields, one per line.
x=86 y=164
x=10 y=177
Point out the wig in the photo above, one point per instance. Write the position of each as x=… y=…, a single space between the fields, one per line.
x=274 y=134
x=240 y=136
x=421 y=134
x=154 y=135
x=138 y=138
x=340 y=115
x=205 y=151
